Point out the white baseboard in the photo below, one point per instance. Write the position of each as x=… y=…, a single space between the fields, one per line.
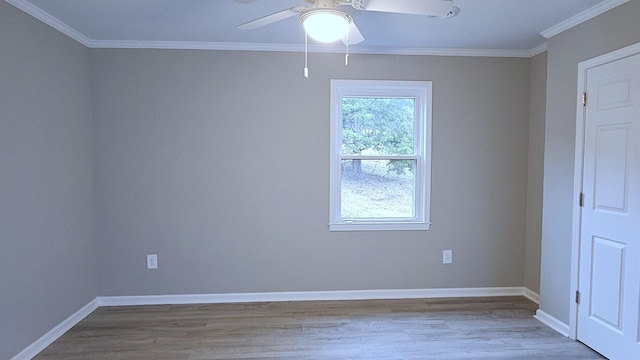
x=533 y=296
x=552 y=322
x=52 y=335
x=314 y=296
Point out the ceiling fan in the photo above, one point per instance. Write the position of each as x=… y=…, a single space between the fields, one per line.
x=324 y=21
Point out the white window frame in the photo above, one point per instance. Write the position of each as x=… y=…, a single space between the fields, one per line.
x=421 y=91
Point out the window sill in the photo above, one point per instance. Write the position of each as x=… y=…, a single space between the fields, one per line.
x=379 y=226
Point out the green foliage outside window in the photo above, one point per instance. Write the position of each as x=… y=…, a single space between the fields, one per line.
x=379 y=126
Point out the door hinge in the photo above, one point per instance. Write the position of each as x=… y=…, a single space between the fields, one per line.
x=581 y=201
x=577 y=297
x=584 y=99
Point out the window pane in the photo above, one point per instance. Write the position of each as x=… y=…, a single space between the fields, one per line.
x=377 y=126
x=373 y=189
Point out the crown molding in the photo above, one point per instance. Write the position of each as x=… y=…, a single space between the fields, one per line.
x=578 y=19
x=186 y=45
x=64 y=28
x=195 y=45
x=441 y=51
x=538 y=49
x=46 y=18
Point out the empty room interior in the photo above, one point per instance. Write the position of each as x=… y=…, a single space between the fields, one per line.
x=146 y=163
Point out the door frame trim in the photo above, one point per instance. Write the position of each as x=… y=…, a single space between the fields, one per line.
x=583 y=67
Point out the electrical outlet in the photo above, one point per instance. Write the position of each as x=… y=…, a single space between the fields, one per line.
x=447 y=256
x=152 y=261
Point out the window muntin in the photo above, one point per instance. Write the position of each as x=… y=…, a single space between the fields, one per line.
x=380 y=155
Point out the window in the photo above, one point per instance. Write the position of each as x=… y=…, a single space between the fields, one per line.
x=380 y=170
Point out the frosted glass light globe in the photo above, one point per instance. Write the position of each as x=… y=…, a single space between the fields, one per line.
x=326 y=25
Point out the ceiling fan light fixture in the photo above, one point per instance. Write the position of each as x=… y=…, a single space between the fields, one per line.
x=453 y=13
x=326 y=25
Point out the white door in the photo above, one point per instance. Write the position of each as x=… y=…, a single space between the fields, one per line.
x=609 y=270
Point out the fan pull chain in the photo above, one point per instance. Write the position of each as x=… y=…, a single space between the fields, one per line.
x=306 y=67
x=346 y=56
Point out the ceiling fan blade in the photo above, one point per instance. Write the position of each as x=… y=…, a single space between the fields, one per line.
x=354 y=37
x=436 y=8
x=269 y=19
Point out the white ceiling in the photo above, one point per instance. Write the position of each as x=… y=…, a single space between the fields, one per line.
x=483 y=27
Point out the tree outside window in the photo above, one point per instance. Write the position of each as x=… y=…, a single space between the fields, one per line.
x=379 y=156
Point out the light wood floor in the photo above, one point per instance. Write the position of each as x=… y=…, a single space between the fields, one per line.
x=475 y=328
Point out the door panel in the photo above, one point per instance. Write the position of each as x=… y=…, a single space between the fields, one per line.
x=611 y=168
x=615 y=93
x=609 y=268
x=607 y=277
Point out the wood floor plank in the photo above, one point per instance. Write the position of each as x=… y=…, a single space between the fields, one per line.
x=470 y=328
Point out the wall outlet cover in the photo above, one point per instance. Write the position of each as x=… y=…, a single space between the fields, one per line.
x=152 y=261
x=447 y=256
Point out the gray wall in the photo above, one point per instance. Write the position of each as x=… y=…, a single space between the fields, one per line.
x=535 y=164
x=218 y=162
x=48 y=264
x=613 y=30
